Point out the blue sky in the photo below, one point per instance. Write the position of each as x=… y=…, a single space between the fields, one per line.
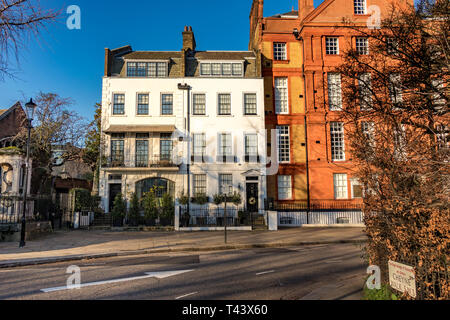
x=70 y=62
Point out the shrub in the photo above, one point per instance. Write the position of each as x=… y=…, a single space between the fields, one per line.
x=134 y=211
x=167 y=207
x=200 y=199
x=384 y=293
x=119 y=208
x=149 y=205
x=81 y=198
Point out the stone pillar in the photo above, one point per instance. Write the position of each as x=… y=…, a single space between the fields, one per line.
x=177 y=218
x=273 y=220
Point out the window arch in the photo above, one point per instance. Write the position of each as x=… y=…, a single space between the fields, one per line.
x=162 y=185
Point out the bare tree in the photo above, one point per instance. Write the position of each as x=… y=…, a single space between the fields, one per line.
x=55 y=128
x=20 y=19
x=397 y=121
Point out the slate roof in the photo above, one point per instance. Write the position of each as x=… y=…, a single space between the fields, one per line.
x=291 y=14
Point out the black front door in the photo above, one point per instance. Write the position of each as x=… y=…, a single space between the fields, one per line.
x=252 y=197
x=114 y=190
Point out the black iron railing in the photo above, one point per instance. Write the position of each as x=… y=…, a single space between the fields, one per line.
x=215 y=217
x=159 y=161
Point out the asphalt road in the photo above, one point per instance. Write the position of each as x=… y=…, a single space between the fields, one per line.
x=321 y=272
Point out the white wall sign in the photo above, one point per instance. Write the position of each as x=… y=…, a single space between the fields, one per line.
x=402 y=278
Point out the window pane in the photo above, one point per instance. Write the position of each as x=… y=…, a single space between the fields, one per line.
x=281 y=96
x=360 y=6
x=199 y=184
x=205 y=69
x=334 y=91
x=216 y=69
x=161 y=69
x=225 y=147
x=143 y=104
x=152 y=69
x=199 y=144
x=117 y=151
x=225 y=183
x=141 y=153
x=362 y=45
x=166 y=147
x=284 y=187
x=250 y=104
x=279 y=51
x=284 y=155
x=167 y=104
x=237 y=69
x=226 y=69
x=340 y=186
x=119 y=104
x=224 y=104
x=131 y=69
x=251 y=145
x=337 y=141
x=332 y=45
x=141 y=69
x=199 y=104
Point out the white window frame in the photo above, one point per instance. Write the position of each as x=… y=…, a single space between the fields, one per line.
x=281 y=85
x=279 y=51
x=228 y=144
x=362 y=45
x=337 y=141
x=221 y=185
x=340 y=183
x=359 y=7
x=282 y=194
x=332 y=43
x=280 y=136
x=334 y=91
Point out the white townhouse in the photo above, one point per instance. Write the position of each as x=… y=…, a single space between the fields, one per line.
x=183 y=120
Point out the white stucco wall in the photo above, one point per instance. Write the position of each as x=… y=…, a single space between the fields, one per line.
x=211 y=124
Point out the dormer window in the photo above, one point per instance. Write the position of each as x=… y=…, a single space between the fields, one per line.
x=221 y=69
x=147 y=69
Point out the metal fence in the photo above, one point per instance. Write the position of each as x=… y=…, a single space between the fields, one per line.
x=215 y=217
x=319 y=213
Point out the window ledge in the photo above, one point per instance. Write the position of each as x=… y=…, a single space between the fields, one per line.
x=281 y=61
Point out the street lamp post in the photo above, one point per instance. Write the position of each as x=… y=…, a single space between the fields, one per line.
x=30 y=107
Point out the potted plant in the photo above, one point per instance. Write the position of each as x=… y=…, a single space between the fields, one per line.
x=167 y=210
x=134 y=212
x=150 y=208
x=118 y=211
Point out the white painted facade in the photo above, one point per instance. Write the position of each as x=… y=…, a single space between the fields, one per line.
x=211 y=124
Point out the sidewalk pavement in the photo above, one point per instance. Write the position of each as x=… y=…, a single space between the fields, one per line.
x=79 y=245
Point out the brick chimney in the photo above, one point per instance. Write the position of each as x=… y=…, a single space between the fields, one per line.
x=305 y=7
x=188 y=39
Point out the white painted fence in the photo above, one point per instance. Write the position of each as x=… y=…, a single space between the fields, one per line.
x=298 y=219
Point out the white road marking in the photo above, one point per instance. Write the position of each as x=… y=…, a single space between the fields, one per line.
x=266 y=272
x=186 y=295
x=159 y=275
